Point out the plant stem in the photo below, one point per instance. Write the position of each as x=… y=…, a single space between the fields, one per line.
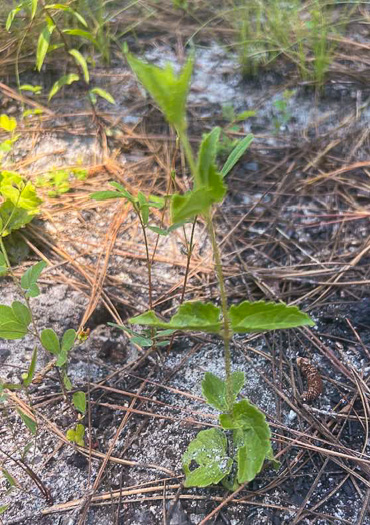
x=188 y=152
x=227 y=333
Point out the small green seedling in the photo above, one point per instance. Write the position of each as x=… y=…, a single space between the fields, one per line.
x=76 y=435
x=218 y=459
x=283 y=114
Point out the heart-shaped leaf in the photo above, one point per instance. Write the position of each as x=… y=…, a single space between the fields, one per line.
x=209 y=451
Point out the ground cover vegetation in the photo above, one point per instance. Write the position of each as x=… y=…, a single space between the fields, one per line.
x=237 y=268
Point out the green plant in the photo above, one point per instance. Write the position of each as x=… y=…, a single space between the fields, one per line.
x=63 y=28
x=58 y=180
x=240 y=459
x=17 y=321
x=302 y=33
x=283 y=114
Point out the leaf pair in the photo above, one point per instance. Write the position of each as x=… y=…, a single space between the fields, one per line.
x=251 y=439
x=51 y=343
x=245 y=317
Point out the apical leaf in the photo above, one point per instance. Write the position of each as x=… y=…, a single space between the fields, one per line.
x=214 y=389
x=68 y=339
x=190 y=316
x=29 y=279
x=80 y=60
x=79 y=401
x=254 y=317
x=50 y=341
x=31 y=371
x=251 y=437
x=28 y=421
x=103 y=94
x=69 y=10
x=14 y=321
x=209 y=451
x=43 y=44
x=63 y=81
x=236 y=154
x=8 y=123
x=168 y=89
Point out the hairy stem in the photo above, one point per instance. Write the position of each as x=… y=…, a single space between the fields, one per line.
x=227 y=333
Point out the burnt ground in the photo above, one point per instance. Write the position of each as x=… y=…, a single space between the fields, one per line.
x=293 y=227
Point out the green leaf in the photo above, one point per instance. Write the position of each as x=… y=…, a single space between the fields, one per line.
x=251 y=437
x=8 y=123
x=190 y=316
x=83 y=34
x=76 y=435
x=105 y=195
x=209 y=451
x=43 y=44
x=245 y=115
x=236 y=154
x=69 y=10
x=80 y=60
x=63 y=81
x=11 y=16
x=68 y=339
x=192 y=203
x=33 y=8
x=167 y=89
x=28 y=421
x=14 y=321
x=214 y=389
x=33 y=89
x=29 y=279
x=3 y=265
x=103 y=94
x=141 y=341
x=79 y=401
x=3 y=508
x=31 y=371
x=9 y=478
x=207 y=155
x=62 y=358
x=50 y=341
x=66 y=381
x=144 y=208
x=254 y=317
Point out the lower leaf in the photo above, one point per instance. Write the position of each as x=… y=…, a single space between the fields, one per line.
x=209 y=451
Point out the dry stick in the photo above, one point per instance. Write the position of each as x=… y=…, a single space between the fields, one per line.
x=87 y=499
x=222 y=504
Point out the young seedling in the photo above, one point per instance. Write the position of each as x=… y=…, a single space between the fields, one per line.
x=240 y=459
